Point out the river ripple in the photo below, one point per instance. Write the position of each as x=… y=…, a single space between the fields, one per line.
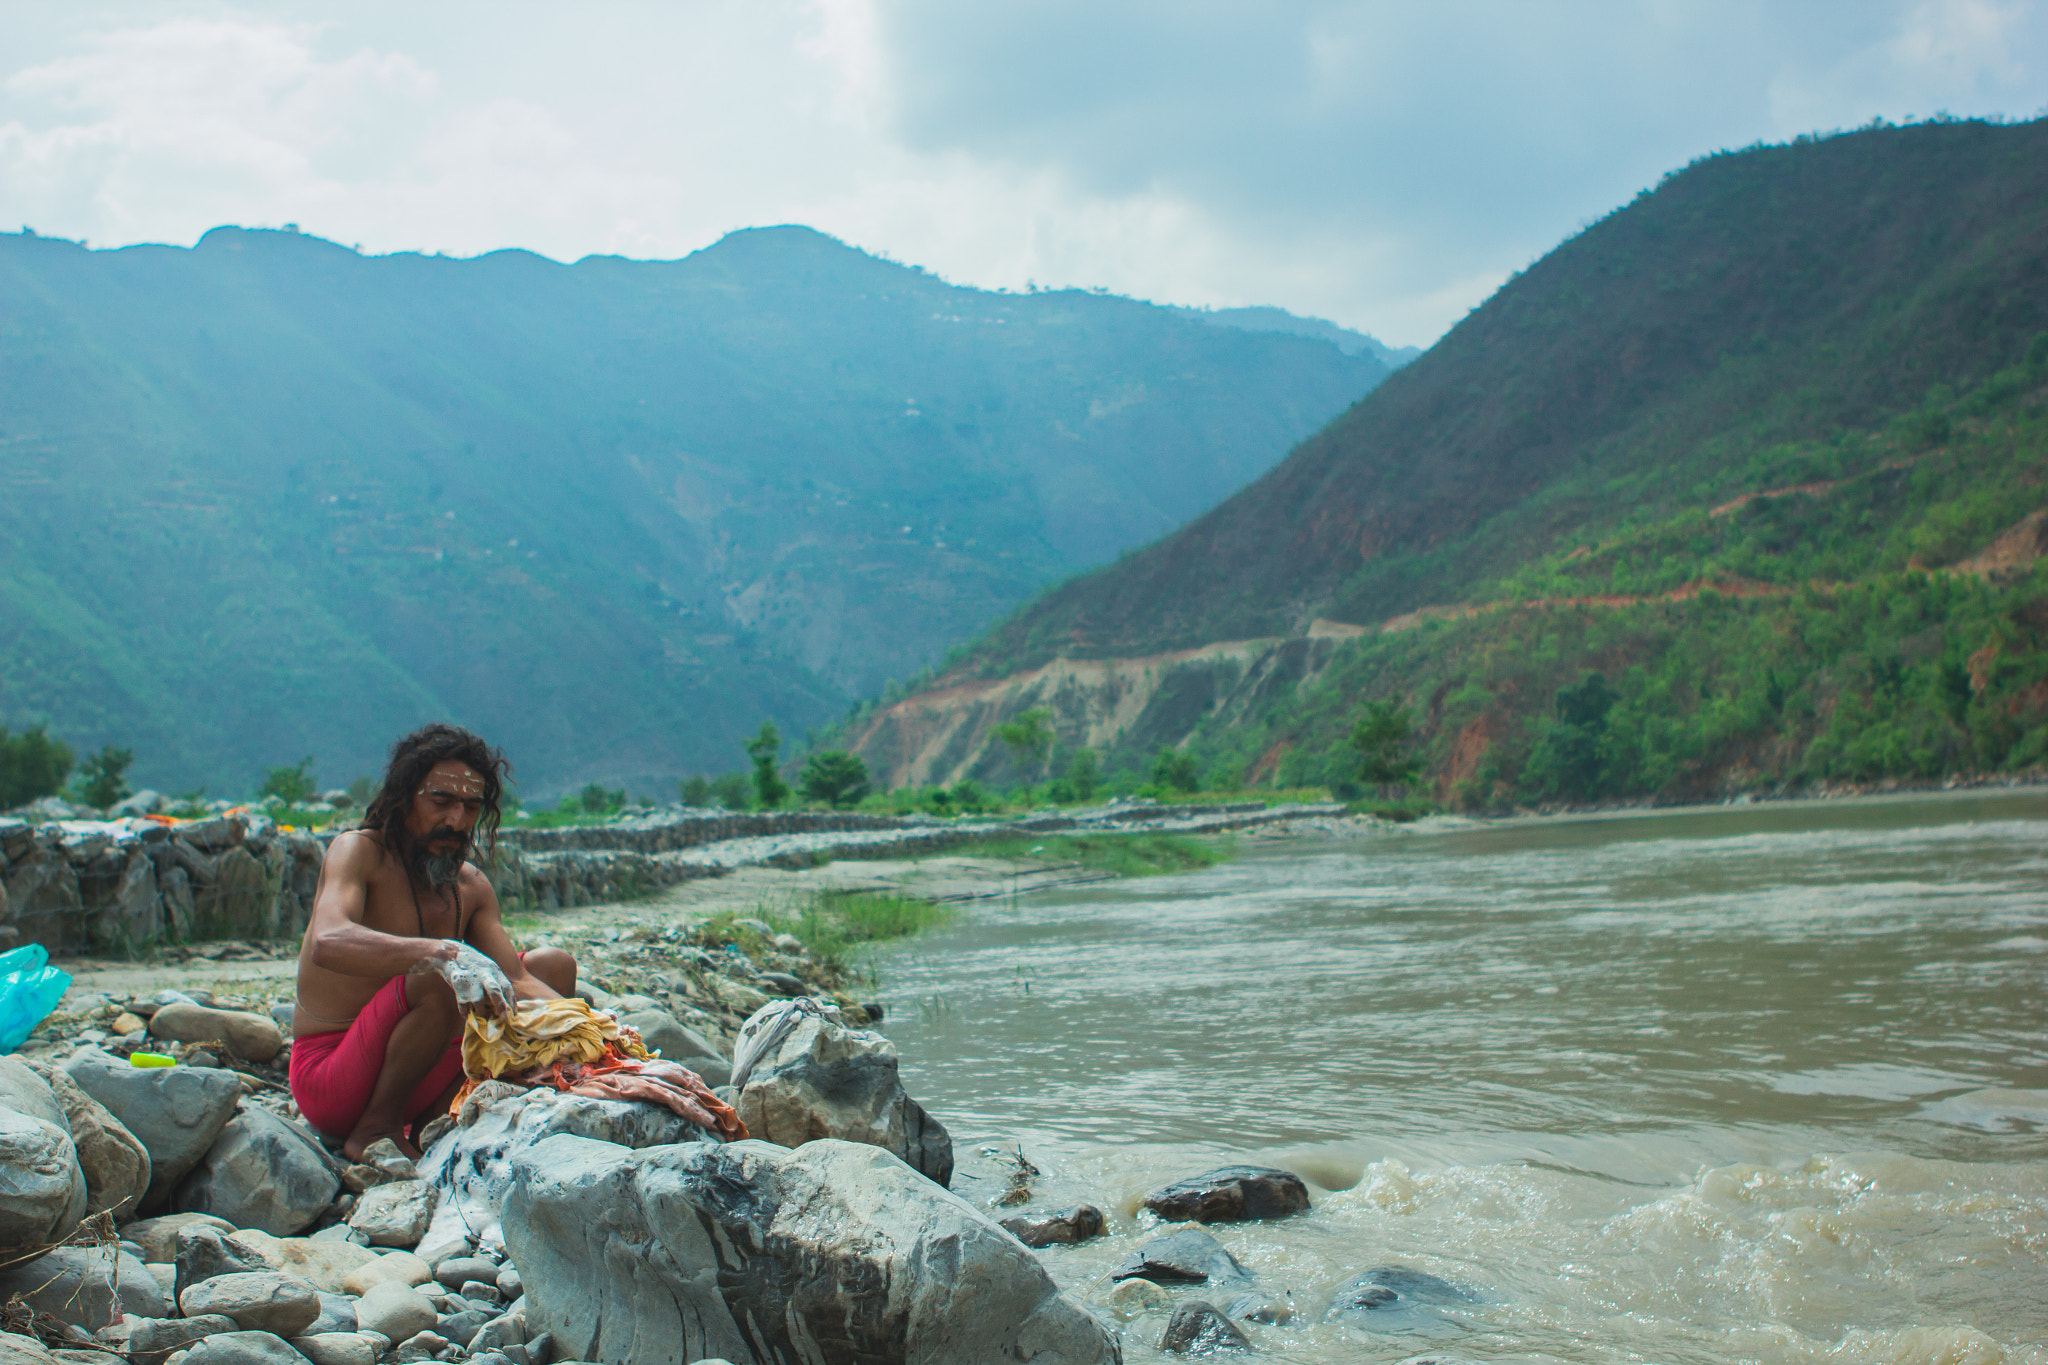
x=1739 y=1084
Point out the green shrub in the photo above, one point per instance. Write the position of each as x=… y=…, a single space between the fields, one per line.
x=833 y=777
x=1176 y=771
x=292 y=784
x=32 y=765
x=102 y=778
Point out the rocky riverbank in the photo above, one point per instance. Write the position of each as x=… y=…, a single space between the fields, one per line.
x=184 y=1215
x=233 y=1233
x=129 y=885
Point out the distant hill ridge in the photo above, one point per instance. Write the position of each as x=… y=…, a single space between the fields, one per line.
x=268 y=497
x=1762 y=320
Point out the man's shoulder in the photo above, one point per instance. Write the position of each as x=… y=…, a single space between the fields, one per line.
x=356 y=848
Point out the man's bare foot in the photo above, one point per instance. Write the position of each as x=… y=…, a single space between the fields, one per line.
x=356 y=1146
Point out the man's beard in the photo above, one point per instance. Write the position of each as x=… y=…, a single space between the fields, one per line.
x=437 y=861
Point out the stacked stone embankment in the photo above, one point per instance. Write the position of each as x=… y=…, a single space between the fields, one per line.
x=121 y=886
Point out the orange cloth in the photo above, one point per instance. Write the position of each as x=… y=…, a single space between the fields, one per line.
x=566 y=1045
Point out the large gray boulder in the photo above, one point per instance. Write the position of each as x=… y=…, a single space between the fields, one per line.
x=115 y=1163
x=42 y=1187
x=262 y=1172
x=833 y=1253
x=805 y=1074
x=71 y=1284
x=669 y=1036
x=471 y=1165
x=177 y=1111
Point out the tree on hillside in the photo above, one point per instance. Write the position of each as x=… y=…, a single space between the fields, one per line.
x=1381 y=738
x=1029 y=737
x=695 y=791
x=1566 y=761
x=32 y=765
x=835 y=778
x=1176 y=771
x=762 y=751
x=102 y=778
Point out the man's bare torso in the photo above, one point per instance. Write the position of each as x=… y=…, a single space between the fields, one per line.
x=328 y=1000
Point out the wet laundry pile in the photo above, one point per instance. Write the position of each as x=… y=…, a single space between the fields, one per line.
x=567 y=1045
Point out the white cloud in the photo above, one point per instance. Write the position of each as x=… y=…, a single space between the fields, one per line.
x=1383 y=164
x=1965 y=57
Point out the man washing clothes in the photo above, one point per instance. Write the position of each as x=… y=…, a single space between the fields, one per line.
x=405 y=936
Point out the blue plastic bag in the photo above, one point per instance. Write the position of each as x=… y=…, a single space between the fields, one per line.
x=29 y=989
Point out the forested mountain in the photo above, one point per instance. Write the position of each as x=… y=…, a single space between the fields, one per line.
x=1744 y=448
x=267 y=497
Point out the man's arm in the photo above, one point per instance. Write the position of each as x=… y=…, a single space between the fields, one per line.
x=341 y=941
x=487 y=935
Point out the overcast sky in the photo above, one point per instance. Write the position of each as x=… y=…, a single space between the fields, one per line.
x=1386 y=165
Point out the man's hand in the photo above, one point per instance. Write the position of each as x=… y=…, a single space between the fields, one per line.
x=475 y=979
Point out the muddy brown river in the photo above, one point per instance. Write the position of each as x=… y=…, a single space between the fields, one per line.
x=1741 y=1084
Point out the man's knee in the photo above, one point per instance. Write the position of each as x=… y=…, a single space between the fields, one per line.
x=554 y=968
x=429 y=994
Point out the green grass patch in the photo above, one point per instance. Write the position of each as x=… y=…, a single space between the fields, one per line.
x=1400 y=810
x=1127 y=855
x=833 y=928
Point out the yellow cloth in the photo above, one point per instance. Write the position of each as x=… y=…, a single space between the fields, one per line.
x=539 y=1033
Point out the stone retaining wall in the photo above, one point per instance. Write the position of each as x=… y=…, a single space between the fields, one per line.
x=120 y=886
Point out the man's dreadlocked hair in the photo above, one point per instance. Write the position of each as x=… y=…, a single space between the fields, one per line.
x=413 y=757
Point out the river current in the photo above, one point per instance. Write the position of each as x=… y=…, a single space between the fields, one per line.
x=1742 y=1084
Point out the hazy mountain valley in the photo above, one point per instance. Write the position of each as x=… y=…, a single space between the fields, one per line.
x=267 y=497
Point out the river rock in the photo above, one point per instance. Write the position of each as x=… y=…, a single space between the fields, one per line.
x=754 y=1252
x=143 y=802
x=70 y=1284
x=395 y=1215
x=713 y=1071
x=43 y=1191
x=395 y=1310
x=1230 y=1194
x=263 y=1301
x=1189 y=1256
x=1077 y=1224
x=1128 y=1298
x=204 y=1253
x=262 y=1172
x=158 y=1237
x=324 y=1264
x=340 y=1348
x=822 y=1079
x=20 y=1350
x=252 y=1036
x=177 y=1111
x=152 y=1339
x=398 y=1267
x=504 y=1330
x=244 y=1348
x=113 y=1160
x=458 y=1270
x=1395 y=1299
x=1197 y=1329
x=668 y=1035
x=1266 y=1308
